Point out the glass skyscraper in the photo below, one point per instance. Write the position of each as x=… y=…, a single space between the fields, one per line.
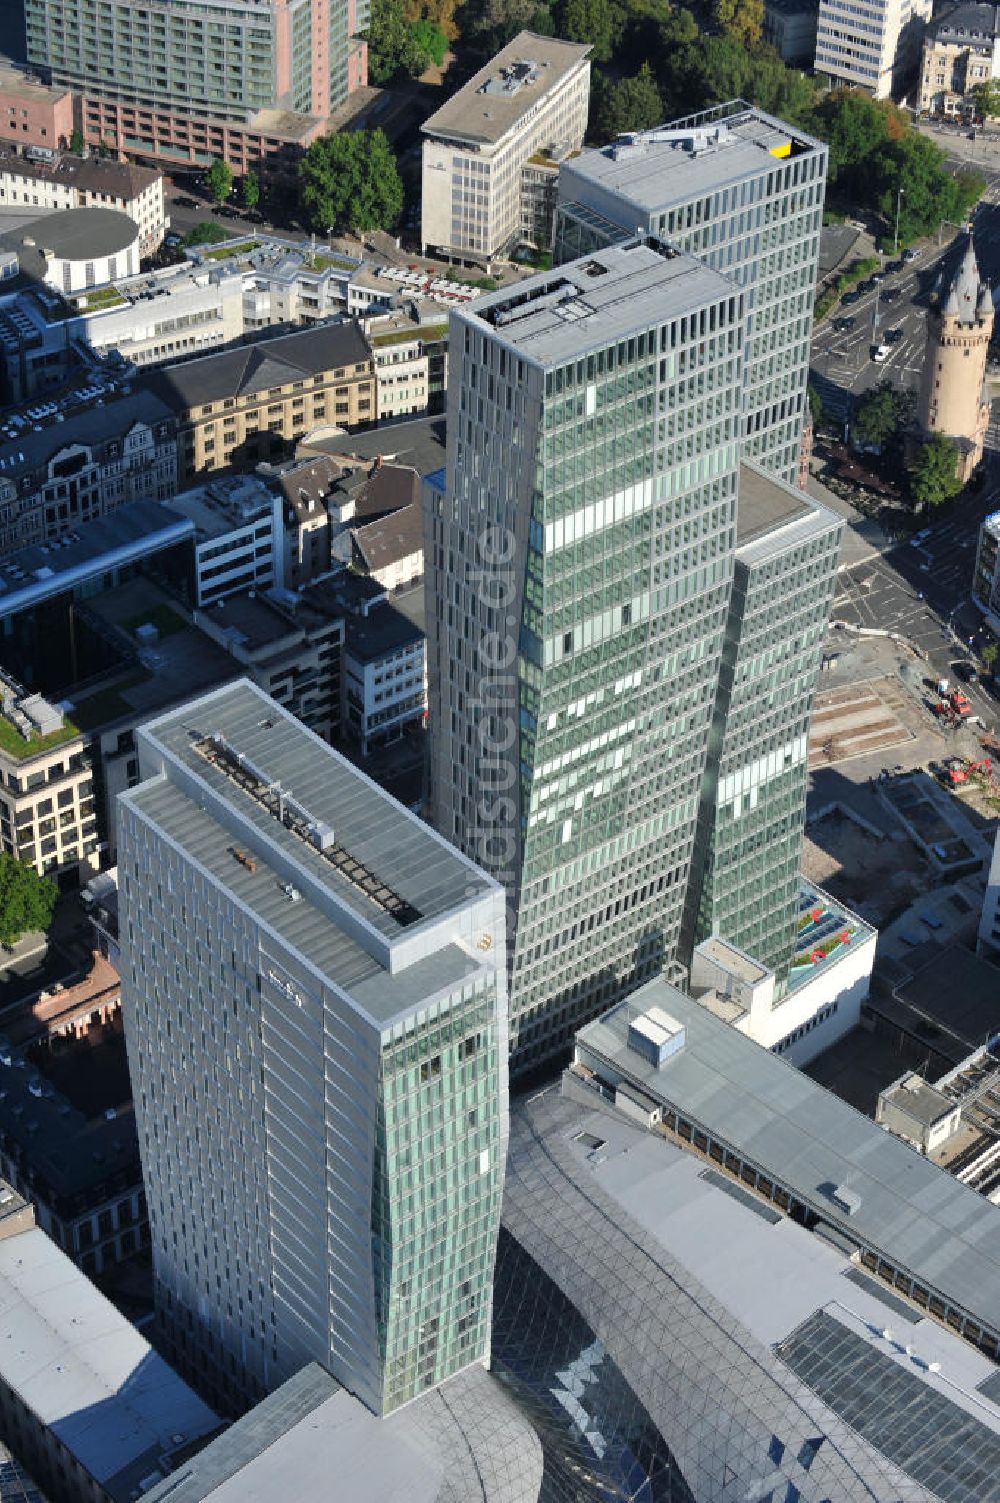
x=313 y=986
x=743 y=192
x=579 y=565
x=746 y=876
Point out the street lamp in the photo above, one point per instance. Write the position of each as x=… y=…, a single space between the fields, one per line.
x=900 y=191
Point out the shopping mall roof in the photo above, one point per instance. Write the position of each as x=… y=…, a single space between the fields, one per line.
x=792 y=1130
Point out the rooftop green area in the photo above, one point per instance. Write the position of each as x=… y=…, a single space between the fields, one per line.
x=227 y=252
x=162 y=616
x=100 y=297
x=426 y=335
x=16 y=745
x=318 y=262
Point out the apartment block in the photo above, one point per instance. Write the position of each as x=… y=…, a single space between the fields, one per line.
x=47 y=814
x=251 y=83
x=872 y=45
x=590 y=500
x=251 y=404
x=746 y=875
x=961 y=49
x=68 y=473
x=313 y=989
x=385 y=670
x=743 y=192
x=32 y=114
x=534 y=94
x=69 y=182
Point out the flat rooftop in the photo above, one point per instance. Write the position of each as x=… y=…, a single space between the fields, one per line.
x=945 y=1235
x=826 y=932
x=654 y=170
x=220 y=505
x=86 y=1372
x=919 y=1100
x=513 y=84
x=959 y=993
x=386 y=877
x=590 y=303
x=43 y=570
x=399 y=622
x=737 y=962
x=765 y=504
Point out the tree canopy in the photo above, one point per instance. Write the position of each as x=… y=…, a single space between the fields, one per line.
x=987 y=97
x=934 y=472
x=393 y=49
x=349 y=181
x=876 y=416
x=219 y=180
x=743 y=20
x=250 y=190
x=26 y=899
x=627 y=104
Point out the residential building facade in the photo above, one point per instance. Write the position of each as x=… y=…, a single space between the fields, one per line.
x=242 y=406
x=746 y=875
x=385 y=670
x=66 y=474
x=874 y=45
x=986 y=579
x=743 y=192
x=194 y=81
x=350 y=969
x=47 y=816
x=535 y=93
x=568 y=749
x=70 y=182
x=961 y=49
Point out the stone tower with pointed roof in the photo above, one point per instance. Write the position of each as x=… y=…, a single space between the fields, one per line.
x=953 y=398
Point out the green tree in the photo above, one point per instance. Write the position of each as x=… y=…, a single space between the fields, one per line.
x=76 y=141
x=393 y=50
x=934 y=472
x=430 y=40
x=206 y=233
x=815 y=405
x=250 y=190
x=930 y=192
x=26 y=899
x=876 y=416
x=349 y=181
x=743 y=20
x=987 y=97
x=627 y=104
x=855 y=131
x=587 y=21
x=989 y=655
x=219 y=180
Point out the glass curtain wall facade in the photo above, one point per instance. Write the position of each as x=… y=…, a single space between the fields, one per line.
x=580 y=561
x=320 y=1085
x=747 y=868
x=743 y=192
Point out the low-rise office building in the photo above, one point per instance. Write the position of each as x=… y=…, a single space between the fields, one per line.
x=238 y=540
x=411 y=360
x=790 y=28
x=253 y=403
x=385 y=669
x=961 y=49
x=74 y=470
x=534 y=94
x=291 y=651
x=72 y=182
x=85 y=1402
x=47 y=816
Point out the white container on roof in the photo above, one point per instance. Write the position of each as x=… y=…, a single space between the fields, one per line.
x=656 y=1035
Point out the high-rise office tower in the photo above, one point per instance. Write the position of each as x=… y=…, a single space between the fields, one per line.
x=183 y=81
x=580 y=556
x=743 y=192
x=313 y=986
x=747 y=869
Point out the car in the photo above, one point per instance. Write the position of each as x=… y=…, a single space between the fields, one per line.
x=878 y=276
x=880 y=353
x=892 y=336
x=866 y=287
x=841 y=325
x=851 y=296
x=966 y=672
x=895 y=265
x=909 y=256
x=173 y=239
x=890 y=294
x=919 y=538
x=187 y=203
